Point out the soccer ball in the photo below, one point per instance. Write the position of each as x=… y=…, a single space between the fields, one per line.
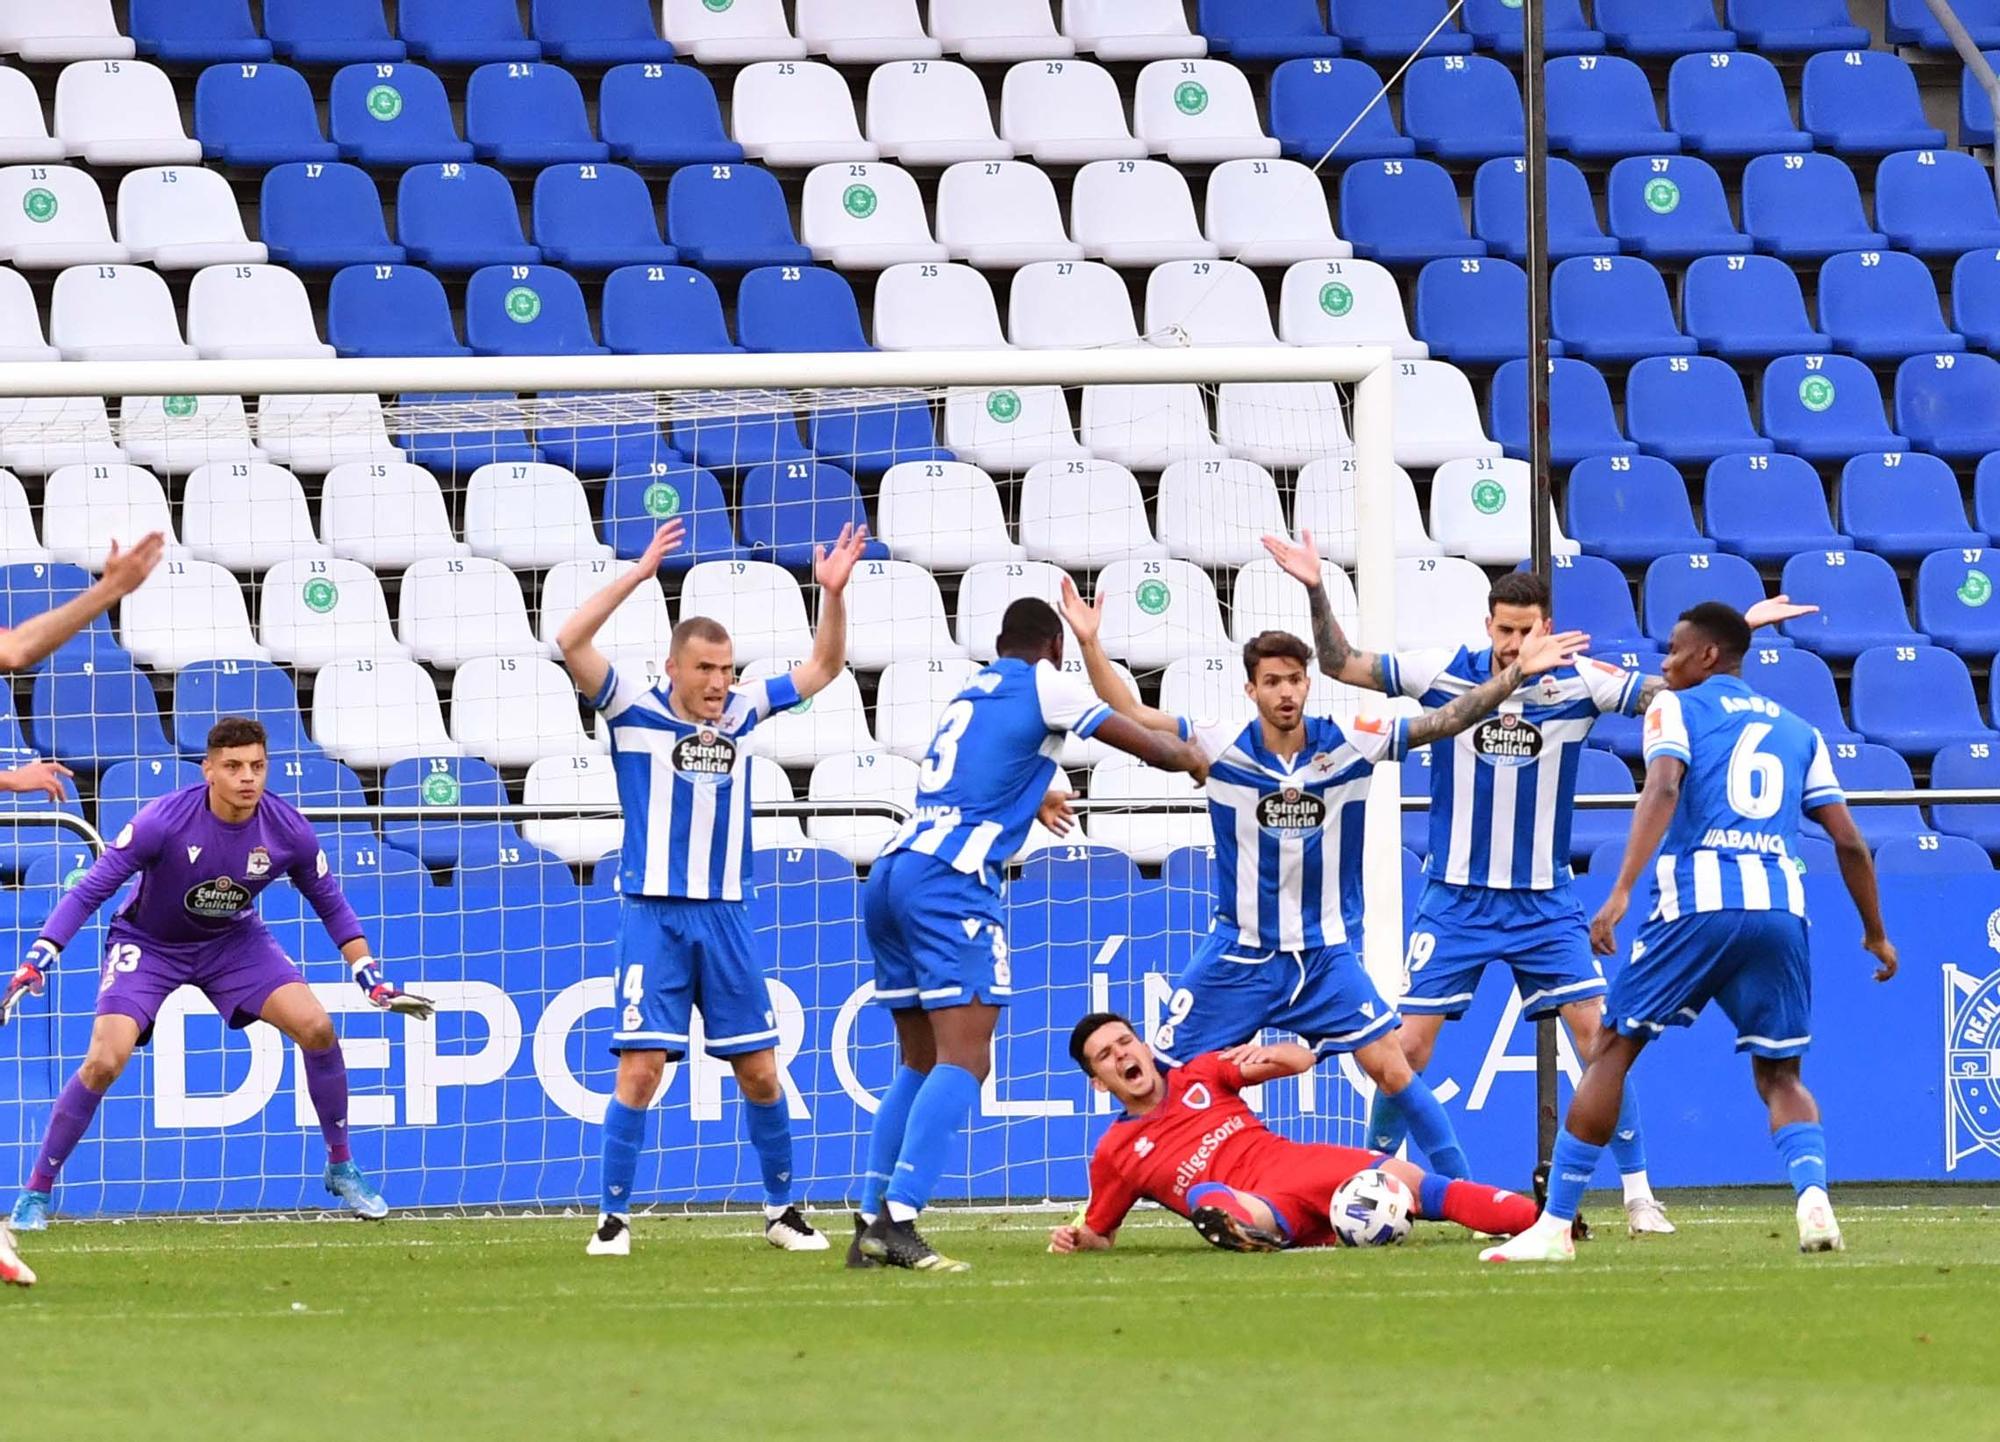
x=1371 y=1209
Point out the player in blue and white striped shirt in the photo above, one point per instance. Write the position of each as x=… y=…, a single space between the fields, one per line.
x=1729 y=774
x=685 y=870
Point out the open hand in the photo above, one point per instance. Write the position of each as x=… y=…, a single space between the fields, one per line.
x=1299 y=559
x=1773 y=610
x=126 y=570
x=665 y=542
x=1056 y=813
x=831 y=568
x=1546 y=650
x=1084 y=617
x=43 y=776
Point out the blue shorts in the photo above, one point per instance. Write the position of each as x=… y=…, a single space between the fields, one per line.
x=936 y=934
x=1230 y=992
x=1753 y=964
x=674 y=956
x=1542 y=935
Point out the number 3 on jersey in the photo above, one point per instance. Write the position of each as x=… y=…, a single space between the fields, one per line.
x=942 y=759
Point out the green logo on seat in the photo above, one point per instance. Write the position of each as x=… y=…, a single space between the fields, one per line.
x=1489 y=498
x=718 y=6
x=1976 y=589
x=74 y=877
x=662 y=500
x=1663 y=197
x=440 y=789
x=1816 y=393
x=1154 y=597
x=180 y=407
x=1191 y=98
x=859 y=201
x=523 y=305
x=1335 y=299
x=1003 y=406
x=40 y=205
x=321 y=595
x=385 y=102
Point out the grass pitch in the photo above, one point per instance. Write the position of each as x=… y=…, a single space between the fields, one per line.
x=503 y=1329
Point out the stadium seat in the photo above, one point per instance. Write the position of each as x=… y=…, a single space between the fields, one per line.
x=1863 y=766
x=529 y=515
x=1463 y=107
x=835 y=723
x=1731 y=105
x=1860 y=601
x=787 y=114
x=182 y=218
x=936 y=307
x=115 y=312
x=331 y=32
x=1198 y=112
x=515 y=711
x=1331 y=112
x=1500 y=202
x=39 y=435
x=1345 y=302
x=1954 y=592
x=1135 y=212
x=314 y=433
x=636 y=502
x=1282 y=425
x=1662 y=27
x=945 y=515
x=1975 y=107
x=1748 y=307
x=1255 y=31
x=1200 y=302
x=1394 y=29
x=895 y=612
x=187 y=611
x=1986 y=496
x=598 y=32
x=1481 y=510
x=1147 y=427
x=595 y=437
x=1440 y=603
x=1675 y=582
x=1403 y=212
x=386 y=515
x=989 y=588
x=670 y=310
x=93 y=716
x=865 y=217
x=1084 y=514
x=932 y=112
x=1630 y=509
x=124 y=788
x=1116 y=30
x=1270 y=212
x=1001 y=214
x=865 y=32
x=1148 y=837
x=451 y=780
x=909 y=695
x=1805 y=207
x=1965 y=766
x=1671 y=208
x=731 y=217
x=255 y=115
x=1599 y=773
x=524 y=115
x=664 y=115
x=1802 y=683
x=639 y=633
x=759 y=603
x=28 y=589
x=1601 y=106
x=465 y=32
x=1825 y=408
x=1058 y=304
x=1001 y=31
x=747 y=32
x=207 y=691
x=865 y=776
x=119 y=113
x=53 y=216
x=583 y=781
x=24 y=132
x=1437 y=416
x=597 y=218
x=735 y=442
x=388 y=117
x=1917 y=700
x=1009 y=429
x=390 y=310
x=1975 y=298
x=1903 y=506
x=1264 y=597
x=1865 y=102
x=527 y=310
x=1911 y=22
x=1937 y=203
x=868 y=440
x=1930 y=854
x=322 y=216
x=44 y=34
x=197 y=32
x=1950 y=404
x=1611 y=308
x=1496 y=25
x=460 y=217
x=1323 y=503
x=787 y=510
x=174 y=434
x=1689 y=409
x=1793 y=27
x=19 y=545
x=247 y=516
x=1768 y=508
x=1473 y=311
x=315 y=612
x=1066 y=112
x=1581 y=419
x=1205 y=689
x=252 y=312
x=1216 y=513
x=1157 y=611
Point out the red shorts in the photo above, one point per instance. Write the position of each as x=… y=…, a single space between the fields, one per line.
x=1299 y=1179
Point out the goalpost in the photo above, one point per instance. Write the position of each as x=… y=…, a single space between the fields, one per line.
x=312 y=559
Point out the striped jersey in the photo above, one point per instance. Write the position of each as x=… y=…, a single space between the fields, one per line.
x=1502 y=792
x=1288 y=831
x=990 y=762
x=684 y=787
x=1752 y=769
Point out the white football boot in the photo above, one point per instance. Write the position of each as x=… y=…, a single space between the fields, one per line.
x=613 y=1237
x=1547 y=1241
x=1644 y=1216
x=1818 y=1231
x=13 y=1271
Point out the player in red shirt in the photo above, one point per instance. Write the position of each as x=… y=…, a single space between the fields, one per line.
x=1190 y=1142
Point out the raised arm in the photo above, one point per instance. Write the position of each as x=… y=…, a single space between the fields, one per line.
x=1337 y=658
x=1158 y=749
x=1650 y=819
x=1543 y=651
x=1085 y=621
x=587 y=665
x=38 y=636
x=1857 y=870
x=1771 y=611
x=831 y=568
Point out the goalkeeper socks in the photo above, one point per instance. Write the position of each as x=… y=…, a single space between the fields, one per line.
x=67 y=1123
x=1803 y=1146
x=941 y=1109
x=885 y=1137
x=1431 y=1128
x=769 y=1127
x=1475 y=1205
x=1570 y=1171
x=1388 y=1128
x=1628 y=1143
x=624 y=1130
x=326 y=1084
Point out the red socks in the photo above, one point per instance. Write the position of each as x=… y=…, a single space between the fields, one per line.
x=1488 y=1209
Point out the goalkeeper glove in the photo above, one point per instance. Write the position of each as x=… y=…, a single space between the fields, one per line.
x=368 y=976
x=28 y=979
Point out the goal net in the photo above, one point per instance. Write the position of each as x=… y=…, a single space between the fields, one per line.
x=373 y=558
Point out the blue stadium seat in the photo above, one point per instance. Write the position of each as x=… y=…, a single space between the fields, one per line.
x=1912 y=23
x=1630 y=509
x=27 y=589
x=1393 y=29
x=1496 y=25
x=1975 y=110
x=1672 y=208
x=1624 y=735
x=465 y=32
x=1614 y=308
x=1403 y=212
x=1599 y=773
x=1950 y=404
x=1938 y=203
x=319 y=215
x=384 y=310
x=1731 y=104
x=734 y=443
x=1955 y=593
x=1675 y=582
x=663 y=115
x=207 y=691
x=598 y=32
x=393 y=119
x=520 y=116
x=446 y=781
x=331 y=32
x=1473 y=311
x=1255 y=31
x=1602 y=106
x=1903 y=505
x=1582 y=422
x=129 y=785
x=1591 y=594
x=664 y=309
x=257 y=115
x=1795 y=27
x=1689 y=409
x=1929 y=854
x=197 y=32
x=1500 y=210
x=1865 y=766
x=1917 y=700
x=460 y=453
x=1799 y=681
x=1805 y=207
x=590 y=443
x=1748 y=307
x=1313 y=102
x=460 y=217
x=1975 y=298
x=637 y=503
x=1882 y=305
x=731 y=217
x=1860 y=603
x=1986 y=496
x=1662 y=27
x=1825 y=408
x=1768 y=508
x=310 y=779
x=787 y=308
x=869 y=439
x=1463 y=107
x=57 y=865
x=527 y=310
x=91 y=717
x=1864 y=102
x=597 y=218
x=1969 y=765
x=788 y=509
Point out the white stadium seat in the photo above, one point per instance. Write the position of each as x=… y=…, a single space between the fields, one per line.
x=639 y=633
x=314 y=613
x=372 y=713
x=19 y=544
x=759 y=604
x=573 y=781
x=115 y=312
x=252 y=312
x=1158 y=611
x=121 y=112
x=386 y=515
x=988 y=589
x=833 y=723
x=453 y=611
x=936 y=307
x=1039 y=837
x=864 y=32
x=1440 y=603
x=315 y=433
x=1135 y=212
x=1281 y=424
x=53 y=216
x=183 y=217
x=1070 y=305
x=1131 y=29
x=909 y=697
x=50 y=32
x=86 y=508
x=1437 y=416
x=999 y=30
x=1199 y=112
x=532 y=515
x=1265 y=598
x=1087 y=753
x=1065 y=112
x=1085 y=514
x=1010 y=429
x=786 y=113
x=1323 y=503
x=24 y=131
x=1146 y=837
x=1271 y=212
x=859 y=777
x=175 y=434
x=1217 y=513
x=860 y=216
x=187 y=611
x=247 y=516
x=945 y=515
x=1481 y=510
x=895 y=612
x=999 y=214
x=42 y=434
x=1207 y=302
x=1206 y=689
x=1148 y=427
x=768 y=782
x=737 y=34
x=1345 y=302
x=515 y=710
x=932 y=112
x=21 y=337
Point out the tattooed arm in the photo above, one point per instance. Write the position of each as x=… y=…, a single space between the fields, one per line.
x=1337 y=656
x=1540 y=652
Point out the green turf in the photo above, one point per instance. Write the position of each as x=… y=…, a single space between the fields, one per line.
x=502 y=1329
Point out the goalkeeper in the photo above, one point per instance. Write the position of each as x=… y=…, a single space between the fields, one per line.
x=202 y=854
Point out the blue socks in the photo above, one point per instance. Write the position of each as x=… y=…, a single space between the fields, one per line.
x=624 y=1130
x=1430 y=1196
x=1387 y=1127
x=885 y=1137
x=1803 y=1146
x=1432 y=1129
x=1628 y=1142
x=768 y=1125
x=939 y=1113
x=1570 y=1171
